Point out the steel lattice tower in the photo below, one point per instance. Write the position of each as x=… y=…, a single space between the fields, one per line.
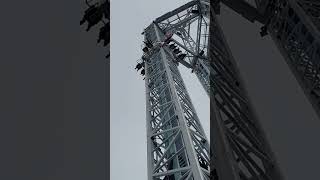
x=294 y=26
x=177 y=147
x=241 y=151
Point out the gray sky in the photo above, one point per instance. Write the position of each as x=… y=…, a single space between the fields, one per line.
x=288 y=119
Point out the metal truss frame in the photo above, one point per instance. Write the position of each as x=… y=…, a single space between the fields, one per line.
x=250 y=155
x=239 y=149
x=179 y=22
x=294 y=26
x=177 y=145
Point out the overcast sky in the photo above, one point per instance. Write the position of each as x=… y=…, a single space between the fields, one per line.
x=288 y=119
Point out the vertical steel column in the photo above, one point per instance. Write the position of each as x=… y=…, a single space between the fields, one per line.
x=249 y=153
x=177 y=145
